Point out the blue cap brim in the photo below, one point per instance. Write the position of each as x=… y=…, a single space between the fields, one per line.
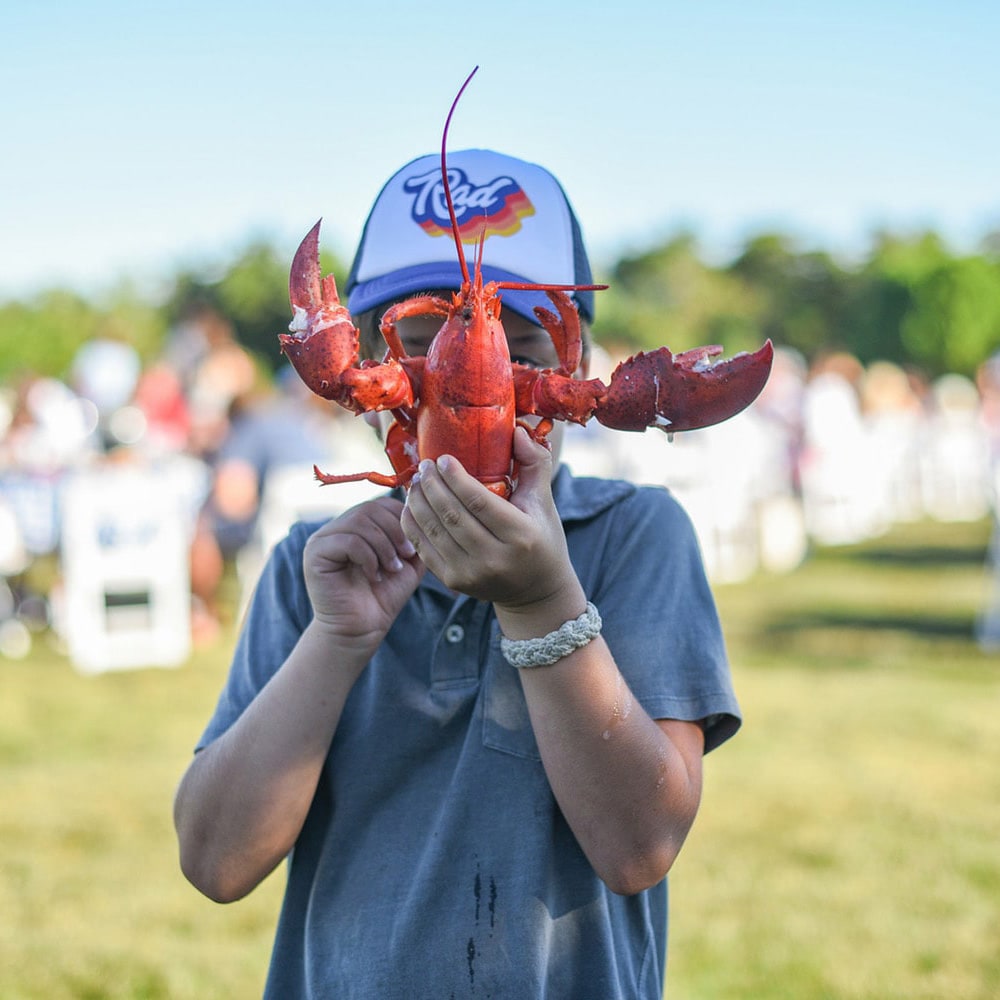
x=448 y=276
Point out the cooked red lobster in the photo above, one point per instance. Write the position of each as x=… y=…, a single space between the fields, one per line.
x=465 y=397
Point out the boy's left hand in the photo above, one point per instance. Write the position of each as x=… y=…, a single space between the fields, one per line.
x=511 y=552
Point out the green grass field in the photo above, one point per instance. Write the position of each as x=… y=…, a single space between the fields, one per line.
x=847 y=845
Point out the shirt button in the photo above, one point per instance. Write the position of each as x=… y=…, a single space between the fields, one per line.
x=454 y=633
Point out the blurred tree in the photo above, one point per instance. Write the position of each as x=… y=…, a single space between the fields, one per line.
x=252 y=293
x=881 y=295
x=907 y=259
x=42 y=336
x=802 y=297
x=989 y=246
x=919 y=304
x=911 y=301
x=954 y=320
x=668 y=295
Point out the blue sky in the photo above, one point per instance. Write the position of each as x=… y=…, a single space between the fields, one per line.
x=139 y=138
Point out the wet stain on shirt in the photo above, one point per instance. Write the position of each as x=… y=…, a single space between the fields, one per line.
x=472 y=952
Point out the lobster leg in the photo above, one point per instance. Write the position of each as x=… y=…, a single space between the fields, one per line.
x=378 y=478
x=682 y=392
x=322 y=342
x=420 y=305
x=400 y=446
x=563 y=331
x=556 y=393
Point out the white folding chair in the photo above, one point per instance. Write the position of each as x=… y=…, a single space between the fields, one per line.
x=127 y=596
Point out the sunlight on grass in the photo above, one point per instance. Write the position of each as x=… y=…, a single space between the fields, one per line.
x=94 y=903
x=846 y=847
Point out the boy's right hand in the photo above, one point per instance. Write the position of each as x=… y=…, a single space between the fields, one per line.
x=360 y=569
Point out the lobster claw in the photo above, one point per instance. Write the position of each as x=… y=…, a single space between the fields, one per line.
x=322 y=342
x=682 y=392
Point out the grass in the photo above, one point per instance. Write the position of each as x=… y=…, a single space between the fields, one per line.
x=92 y=899
x=846 y=848
x=847 y=843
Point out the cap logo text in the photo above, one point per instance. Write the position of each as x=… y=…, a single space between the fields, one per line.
x=502 y=201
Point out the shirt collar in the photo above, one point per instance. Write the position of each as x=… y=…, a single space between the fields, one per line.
x=580 y=498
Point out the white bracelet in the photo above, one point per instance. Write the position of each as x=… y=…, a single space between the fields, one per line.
x=570 y=636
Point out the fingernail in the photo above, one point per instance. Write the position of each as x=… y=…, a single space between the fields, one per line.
x=425 y=466
x=407 y=549
x=396 y=565
x=444 y=463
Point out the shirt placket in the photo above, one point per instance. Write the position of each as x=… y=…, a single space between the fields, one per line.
x=456 y=659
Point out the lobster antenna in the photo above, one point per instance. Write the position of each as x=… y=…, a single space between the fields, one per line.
x=480 y=248
x=447 y=186
x=523 y=285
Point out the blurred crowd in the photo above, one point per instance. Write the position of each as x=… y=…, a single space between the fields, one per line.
x=832 y=453
x=96 y=468
x=209 y=453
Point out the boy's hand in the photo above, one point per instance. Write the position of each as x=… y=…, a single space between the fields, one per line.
x=360 y=570
x=512 y=553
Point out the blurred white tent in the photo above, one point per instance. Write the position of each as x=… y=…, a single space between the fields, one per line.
x=733 y=480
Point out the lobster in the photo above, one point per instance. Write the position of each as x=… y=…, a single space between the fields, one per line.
x=466 y=396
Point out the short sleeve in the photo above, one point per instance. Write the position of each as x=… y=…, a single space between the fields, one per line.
x=659 y=615
x=278 y=614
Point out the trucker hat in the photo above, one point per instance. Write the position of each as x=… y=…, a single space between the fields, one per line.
x=407 y=244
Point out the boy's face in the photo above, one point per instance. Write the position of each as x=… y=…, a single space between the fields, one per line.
x=528 y=345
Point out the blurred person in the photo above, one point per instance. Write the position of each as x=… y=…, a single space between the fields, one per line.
x=49 y=429
x=200 y=328
x=218 y=375
x=781 y=407
x=837 y=462
x=49 y=433
x=987 y=382
x=215 y=412
x=159 y=397
x=214 y=369
x=895 y=422
x=105 y=371
x=454 y=822
x=988 y=386
x=270 y=428
x=955 y=452
x=287 y=427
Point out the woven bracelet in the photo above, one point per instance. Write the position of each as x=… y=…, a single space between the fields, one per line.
x=542 y=652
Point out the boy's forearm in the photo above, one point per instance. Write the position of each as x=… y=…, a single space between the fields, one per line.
x=628 y=786
x=241 y=804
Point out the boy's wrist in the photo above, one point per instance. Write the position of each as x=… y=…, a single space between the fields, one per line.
x=336 y=650
x=538 y=618
x=573 y=634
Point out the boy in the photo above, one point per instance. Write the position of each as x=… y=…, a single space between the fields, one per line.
x=459 y=826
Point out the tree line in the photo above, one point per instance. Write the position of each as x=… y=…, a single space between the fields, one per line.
x=910 y=300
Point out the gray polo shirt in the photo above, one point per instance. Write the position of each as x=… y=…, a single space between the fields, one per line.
x=434 y=862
